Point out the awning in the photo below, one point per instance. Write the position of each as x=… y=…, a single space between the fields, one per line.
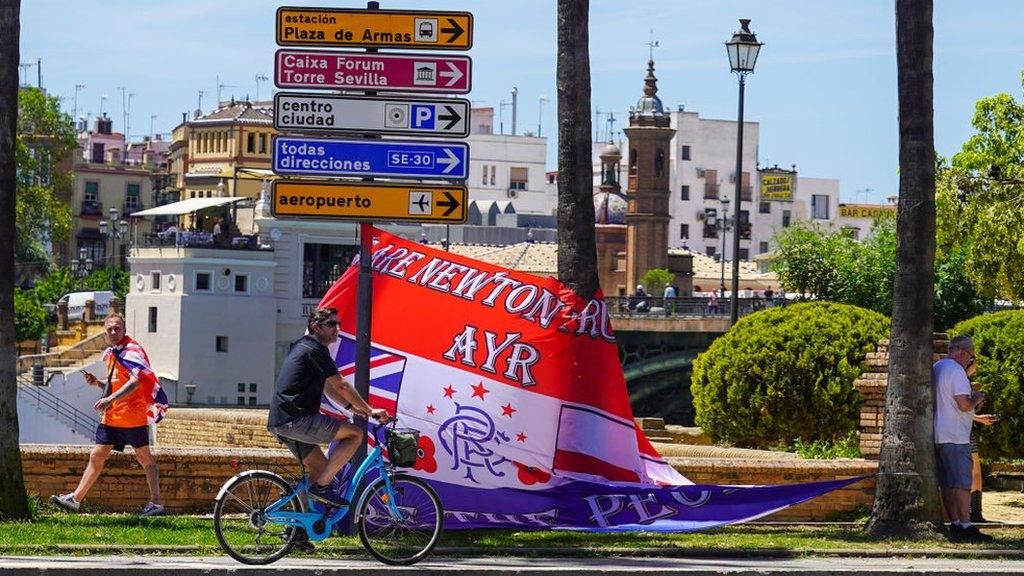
x=186 y=206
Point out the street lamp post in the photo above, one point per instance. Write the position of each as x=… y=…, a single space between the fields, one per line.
x=724 y=219
x=114 y=229
x=81 y=266
x=743 y=49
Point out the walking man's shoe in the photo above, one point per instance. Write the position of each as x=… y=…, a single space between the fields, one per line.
x=972 y=534
x=152 y=509
x=66 y=502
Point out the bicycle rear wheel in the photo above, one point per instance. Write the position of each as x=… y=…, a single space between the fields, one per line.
x=240 y=521
x=399 y=541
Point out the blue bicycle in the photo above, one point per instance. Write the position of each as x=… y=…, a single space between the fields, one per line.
x=258 y=515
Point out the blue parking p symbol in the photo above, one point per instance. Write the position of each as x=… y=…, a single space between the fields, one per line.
x=422 y=116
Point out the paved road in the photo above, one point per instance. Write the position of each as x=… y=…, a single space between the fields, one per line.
x=194 y=566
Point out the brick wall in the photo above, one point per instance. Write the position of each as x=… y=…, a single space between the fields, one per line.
x=191 y=477
x=872 y=385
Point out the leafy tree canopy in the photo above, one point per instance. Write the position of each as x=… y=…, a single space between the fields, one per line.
x=979 y=199
x=45 y=137
x=656 y=279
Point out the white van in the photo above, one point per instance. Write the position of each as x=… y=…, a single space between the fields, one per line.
x=76 y=303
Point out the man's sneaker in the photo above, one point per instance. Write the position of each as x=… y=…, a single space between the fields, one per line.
x=327 y=495
x=66 y=502
x=152 y=509
x=972 y=534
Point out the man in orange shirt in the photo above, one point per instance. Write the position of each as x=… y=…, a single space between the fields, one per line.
x=125 y=421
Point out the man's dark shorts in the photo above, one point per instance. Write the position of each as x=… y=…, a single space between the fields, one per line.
x=954 y=465
x=136 y=437
x=308 y=432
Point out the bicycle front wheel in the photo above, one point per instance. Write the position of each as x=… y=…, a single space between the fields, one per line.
x=404 y=540
x=240 y=520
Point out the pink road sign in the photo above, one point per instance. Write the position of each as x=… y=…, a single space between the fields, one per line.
x=382 y=72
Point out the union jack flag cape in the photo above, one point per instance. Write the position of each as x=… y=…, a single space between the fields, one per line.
x=132 y=357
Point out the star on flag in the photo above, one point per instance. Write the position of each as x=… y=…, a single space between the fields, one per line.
x=508 y=410
x=449 y=391
x=431 y=409
x=479 y=390
x=521 y=437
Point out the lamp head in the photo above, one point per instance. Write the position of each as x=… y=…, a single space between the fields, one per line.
x=743 y=49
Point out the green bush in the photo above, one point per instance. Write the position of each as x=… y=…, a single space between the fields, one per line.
x=29 y=316
x=999 y=347
x=784 y=374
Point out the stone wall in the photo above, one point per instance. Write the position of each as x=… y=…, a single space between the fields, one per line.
x=205 y=427
x=191 y=477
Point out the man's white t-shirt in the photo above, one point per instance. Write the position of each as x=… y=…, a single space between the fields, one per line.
x=952 y=425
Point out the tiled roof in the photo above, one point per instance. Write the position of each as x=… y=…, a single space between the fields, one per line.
x=705 y=267
x=537 y=258
x=242 y=112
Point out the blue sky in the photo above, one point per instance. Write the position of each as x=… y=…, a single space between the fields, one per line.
x=824 y=90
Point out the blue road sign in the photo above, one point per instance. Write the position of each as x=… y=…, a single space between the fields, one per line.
x=400 y=159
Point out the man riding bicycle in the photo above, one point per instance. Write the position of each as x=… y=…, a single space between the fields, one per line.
x=309 y=372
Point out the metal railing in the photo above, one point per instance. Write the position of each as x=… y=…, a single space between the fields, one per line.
x=655 y=306
x=63 y=412
x=72 y=355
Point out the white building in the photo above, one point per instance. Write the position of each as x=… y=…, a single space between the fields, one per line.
x=504 y=167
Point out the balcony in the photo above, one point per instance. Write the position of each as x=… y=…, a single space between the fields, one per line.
x=92 y=208
x=711 y=191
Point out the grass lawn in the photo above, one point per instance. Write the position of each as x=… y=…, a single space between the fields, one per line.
x=52 y=533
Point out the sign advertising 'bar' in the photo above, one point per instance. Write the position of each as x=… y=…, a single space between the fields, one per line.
x=379 y=72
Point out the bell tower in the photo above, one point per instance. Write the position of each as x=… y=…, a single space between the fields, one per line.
x=647 y=184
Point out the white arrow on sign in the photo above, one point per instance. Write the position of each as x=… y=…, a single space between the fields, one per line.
x=451 y=161
x=453 y=73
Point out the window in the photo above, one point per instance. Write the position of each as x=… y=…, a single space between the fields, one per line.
x=686 y=153
x=494 y=169
x=744 y=253
x=250 y=143
x=242 y=283
x=97 y=153
x=222 y=346
x=252 y=400
x=252 y=387
x=203 y=281
x=154 y=280
x=745 y=224
x=322 y=264
x=762 y=247
x=684 y=192
x=131 y=197
x=241 y=400
x=786 y=218
x=765 y=208
x=684 y=231
x=92 y=191
x=819 y=207
x=710 y=250
x=263 y=143
x=517 y=178
x=484 y=182
x=241 y=387
x=152 y=319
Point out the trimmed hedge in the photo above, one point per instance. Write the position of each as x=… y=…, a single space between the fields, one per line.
x=999 y=348
x=786 y=373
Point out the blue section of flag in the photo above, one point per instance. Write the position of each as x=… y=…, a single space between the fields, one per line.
x=322 y=157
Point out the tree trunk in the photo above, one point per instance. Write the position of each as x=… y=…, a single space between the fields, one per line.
x=577 y=251
x=906 y=497
x=13 y=500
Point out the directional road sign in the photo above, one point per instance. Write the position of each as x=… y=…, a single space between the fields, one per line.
x=424 y=116
x=318 y=157
x=418 y=29
x=381 y=72
x=370 y=202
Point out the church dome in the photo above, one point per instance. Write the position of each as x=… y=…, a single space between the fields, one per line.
x=609 y=208
x=649 y=104
x=611 y=151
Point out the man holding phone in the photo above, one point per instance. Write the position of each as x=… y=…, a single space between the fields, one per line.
x=125 y=422
x=955 y=403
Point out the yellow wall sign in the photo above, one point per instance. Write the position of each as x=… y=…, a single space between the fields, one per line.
x=416 y=29
x=865 y=210
x=369 y=202
x=776 y=186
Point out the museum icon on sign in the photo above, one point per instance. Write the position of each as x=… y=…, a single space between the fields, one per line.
x=425 y=73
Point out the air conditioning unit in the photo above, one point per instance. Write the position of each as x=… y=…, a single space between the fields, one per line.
x=701 y=216
x=512 y=193
x=700 y=172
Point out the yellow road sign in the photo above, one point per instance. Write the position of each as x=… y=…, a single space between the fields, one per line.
x=416 y=29
x=370 y=202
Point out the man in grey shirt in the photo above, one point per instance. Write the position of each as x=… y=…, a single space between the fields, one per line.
x=955 y=403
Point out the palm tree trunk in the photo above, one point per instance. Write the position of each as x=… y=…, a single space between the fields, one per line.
x=577 y=250
x=906 y=496
x=13 y=500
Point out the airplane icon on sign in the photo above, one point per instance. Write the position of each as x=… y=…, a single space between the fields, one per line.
x=420 y=202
